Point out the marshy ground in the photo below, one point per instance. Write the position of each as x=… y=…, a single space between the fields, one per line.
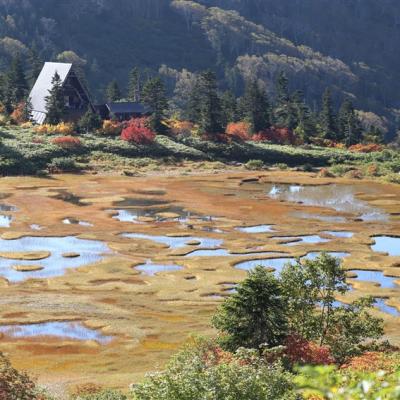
x=104 y=277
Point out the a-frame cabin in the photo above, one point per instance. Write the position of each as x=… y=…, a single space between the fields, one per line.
x=77 y=98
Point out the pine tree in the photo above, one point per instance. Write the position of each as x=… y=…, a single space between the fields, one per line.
x=17 y=83
x=207 y=109
x=113 y=92
x=304 y=120
x=155 y=98
x=35 y=65
x=349 y=124
x=328 y=118
x=229 y=107
x=89 y=121
x=283 y=112
x=255 y=107
x=55 y=105
x=27 y=110
x=134 y=89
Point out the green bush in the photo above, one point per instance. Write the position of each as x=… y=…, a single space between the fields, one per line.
x=63 y=164
x=104 y=395
x=254 y=165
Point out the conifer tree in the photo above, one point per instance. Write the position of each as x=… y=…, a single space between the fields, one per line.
x=255 y=107
x=113 y=92
x=35 y=65
x=283 y=112
x=327 y=117
x=155 y=98
x=134 y=87
x=229 y=107
x=27 y=110
x=16 y=81
x=89 y=121
x=205 y=105
x=55 y=105
x=349 y=124
x=305 y=123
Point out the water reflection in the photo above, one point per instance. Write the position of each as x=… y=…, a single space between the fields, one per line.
x=387 y=244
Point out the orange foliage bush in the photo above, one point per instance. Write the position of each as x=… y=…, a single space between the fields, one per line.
x=62 y=128
x=112 y=128
x=137 y=131
x=372 y=361
x=238 y=130
x=67 y=142
x=301 y=351
x=181 y=128
x=276 y=135
x=366 y=148
x=18 y=114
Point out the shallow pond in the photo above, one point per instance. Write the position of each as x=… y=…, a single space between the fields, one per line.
x=318 y=217
x=5 y=221
x=386 y=282
x=62 y=330
x=381 y=305
x=340 y=234
x=151 y=269
x=299 y=240
x=279 y=263
x=341 y=198
x=176 y=242
x=255 y=228
x=387 y=244
x=87 y=252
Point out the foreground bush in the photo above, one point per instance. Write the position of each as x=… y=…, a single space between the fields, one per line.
x=206 y=372
x=67 y=142
x=15 y=385
x=62 y=128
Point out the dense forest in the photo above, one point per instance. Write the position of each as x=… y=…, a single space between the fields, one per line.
x=349 y=46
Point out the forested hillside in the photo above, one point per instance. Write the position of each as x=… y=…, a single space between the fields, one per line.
x=349 y=45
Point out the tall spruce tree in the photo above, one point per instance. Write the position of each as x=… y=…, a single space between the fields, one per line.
x=205 y=105
x=35 y=65
x=134 y=87
x=16 y=81
x=304 y=120
x=327 y=117
x=255 y=107
x=284 y=114
x=229 y=107
x=55 y=104
x=154 y=96
x=349 y=124
x=113 y=92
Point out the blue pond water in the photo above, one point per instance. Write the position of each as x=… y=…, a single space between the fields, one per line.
x=340 y=234
x=279 y=263
x=255 y=228
x=151 y=269
x=176 y=242
x=62 y=330
x=90 y=251
x=341 y=198
x=299 y=240
x=380 y=303
x=5 y=221
x=387 y=244
x=385 y=282
x=324 y=218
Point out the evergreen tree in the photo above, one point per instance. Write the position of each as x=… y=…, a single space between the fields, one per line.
x=35 y=65
x=349 y=124
x=255 y=315
x=16 y=81
x=55 y=104
x=284 y=114
x=255 y=107
x=328 y=118
x=134 y=89
x=205 y=105
x=113 y=92
x=27 y=110
x=229 y=107
x=305 y=123
x=89 y=121
x=155 y=98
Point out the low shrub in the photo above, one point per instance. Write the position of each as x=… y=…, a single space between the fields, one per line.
x=62 y=164
x=239 y=131
x=111 y=128
x=67 y=142
x=137 y=131
x=4 y=120
x=276 y=135
x=181 y=128
x=366 y=148
x=62 y=128
x=254 y=165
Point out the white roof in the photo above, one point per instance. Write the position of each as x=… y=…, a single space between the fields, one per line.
x=42 y=86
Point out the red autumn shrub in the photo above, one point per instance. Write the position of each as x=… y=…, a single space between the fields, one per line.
x=137 y=131
x=67 y=142
x=238 y=130
x=276 y=135
x=301 y=351
x=366 y=148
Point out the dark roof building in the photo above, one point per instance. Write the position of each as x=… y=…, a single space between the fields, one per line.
x=126 y=110
x=77 y=99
